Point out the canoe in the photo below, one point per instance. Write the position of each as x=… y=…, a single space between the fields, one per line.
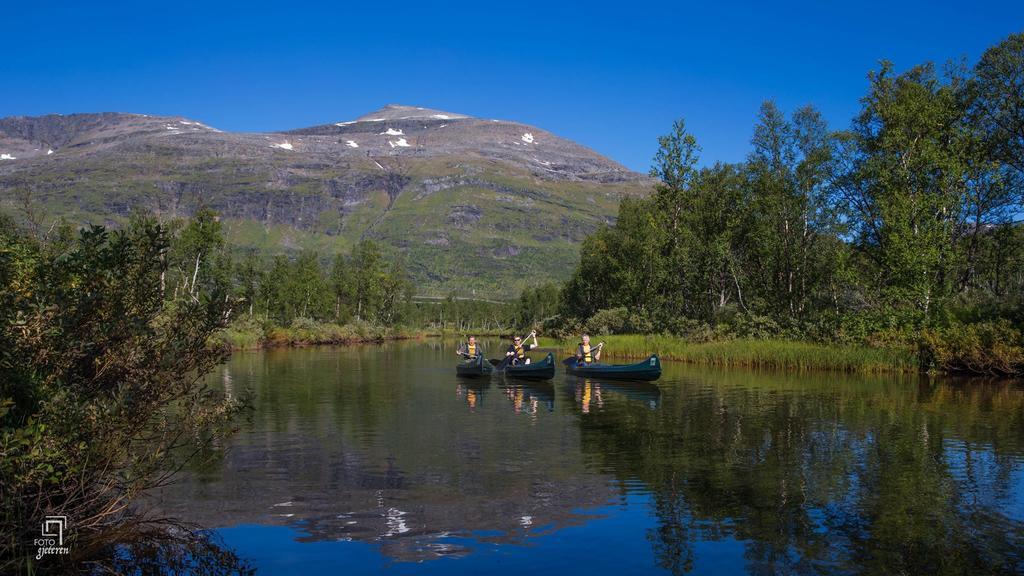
x=543 y=370
x=649 y=369
x=476 y=368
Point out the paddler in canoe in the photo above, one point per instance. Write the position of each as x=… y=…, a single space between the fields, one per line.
x=586 y=354
x=516 y=353
x=469 y=350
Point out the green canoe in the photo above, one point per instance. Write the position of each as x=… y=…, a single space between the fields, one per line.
x=649 y=369
x=543 y=370
x=477 y=367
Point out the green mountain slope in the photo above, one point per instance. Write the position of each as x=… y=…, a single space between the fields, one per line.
x=475 y=206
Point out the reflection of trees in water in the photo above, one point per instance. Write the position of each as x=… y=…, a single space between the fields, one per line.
x=343 y=445
x=671 y=541
x=818 y=477
x=195 y=553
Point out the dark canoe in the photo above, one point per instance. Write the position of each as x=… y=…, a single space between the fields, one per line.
x=543 y=370
x=476 y=368
x=649 y=369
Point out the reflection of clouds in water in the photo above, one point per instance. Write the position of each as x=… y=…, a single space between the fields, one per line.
x=395 y=519
x=227 y=382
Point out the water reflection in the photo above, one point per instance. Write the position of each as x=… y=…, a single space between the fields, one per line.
x=588 y=392
x=835 y=477
x=707 y=471
x=527 y=397
x=370 y=444
x=472 y=393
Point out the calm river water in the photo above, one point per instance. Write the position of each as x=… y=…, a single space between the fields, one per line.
x=379 y=459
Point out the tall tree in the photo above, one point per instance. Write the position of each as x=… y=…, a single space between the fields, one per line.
x=910 y=183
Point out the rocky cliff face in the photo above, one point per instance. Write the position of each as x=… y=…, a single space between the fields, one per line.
x=475 y=205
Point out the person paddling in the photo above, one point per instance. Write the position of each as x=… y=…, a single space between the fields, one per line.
x=516 y=353
x=470 y=349
x=585 y=354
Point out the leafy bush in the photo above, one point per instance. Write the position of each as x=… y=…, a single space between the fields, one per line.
x=755 y=326
x=102 y=394
x=609 y=321
x=993 y=348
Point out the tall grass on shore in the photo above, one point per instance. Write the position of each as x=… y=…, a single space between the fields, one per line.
x=247 y=334
x=776 y=354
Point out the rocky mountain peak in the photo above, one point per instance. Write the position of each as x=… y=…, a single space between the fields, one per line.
x=402 y=112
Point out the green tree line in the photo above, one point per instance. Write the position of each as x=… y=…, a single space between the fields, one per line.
x=900 y=229
x=362 y=286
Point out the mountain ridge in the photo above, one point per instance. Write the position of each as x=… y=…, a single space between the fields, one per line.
x=512 y=201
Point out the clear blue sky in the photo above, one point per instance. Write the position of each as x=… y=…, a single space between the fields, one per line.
x=610 y=76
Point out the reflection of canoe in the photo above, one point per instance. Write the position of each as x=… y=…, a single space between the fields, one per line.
x=649 y=369
x=641 y=391
x=638 y=390
x=475 y=368
x=543 y=370
x=543 y=390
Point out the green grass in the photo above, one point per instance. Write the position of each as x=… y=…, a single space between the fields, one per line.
x=774 y=354
x=246 y=334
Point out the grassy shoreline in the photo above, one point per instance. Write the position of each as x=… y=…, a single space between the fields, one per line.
x=775 y=354
x=257 y=336
x=739 y=353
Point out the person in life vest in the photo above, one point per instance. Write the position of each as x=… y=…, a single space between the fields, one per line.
x=470 y=349
x=587 y=354
x=516 y=353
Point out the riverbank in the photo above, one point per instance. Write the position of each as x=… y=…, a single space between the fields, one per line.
x=944 y=353
x=747 y=353
x=253 y=334
x=256 y=334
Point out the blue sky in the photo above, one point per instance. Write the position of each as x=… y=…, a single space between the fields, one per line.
x=612 y=76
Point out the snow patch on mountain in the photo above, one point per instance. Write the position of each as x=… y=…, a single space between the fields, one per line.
x=528 y=138
x=283 y=145
x=351 y=144
x=7 y=157
x=392 y=132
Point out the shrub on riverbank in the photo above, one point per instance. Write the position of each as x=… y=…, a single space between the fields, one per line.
x=994 y=348
x=748 y=353
x=102 y=398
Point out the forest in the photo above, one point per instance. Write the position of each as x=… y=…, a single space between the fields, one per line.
x=903 y=230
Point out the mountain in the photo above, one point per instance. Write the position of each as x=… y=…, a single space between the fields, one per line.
x=476 y=206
